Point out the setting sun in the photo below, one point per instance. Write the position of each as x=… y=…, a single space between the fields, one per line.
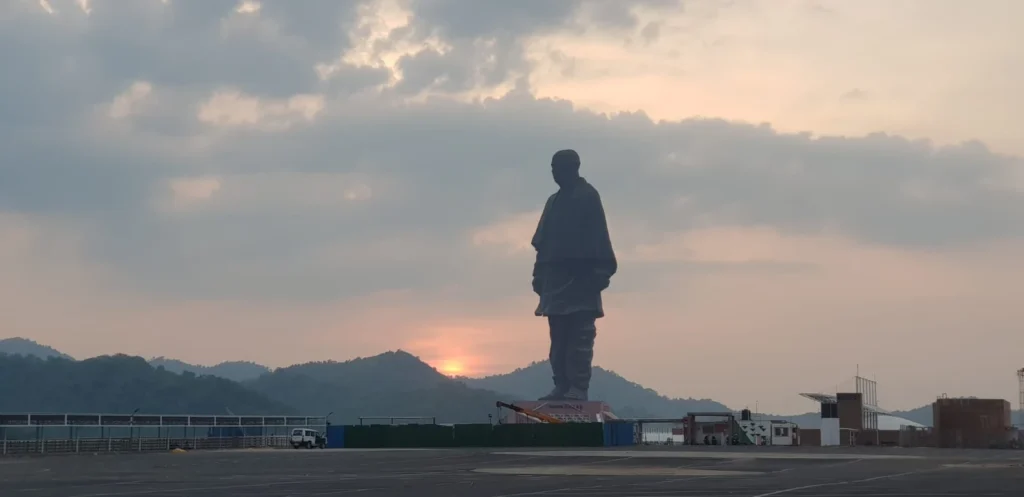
x=451 y=367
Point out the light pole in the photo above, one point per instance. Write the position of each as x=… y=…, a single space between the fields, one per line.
x=131 y=423
x=327 y=420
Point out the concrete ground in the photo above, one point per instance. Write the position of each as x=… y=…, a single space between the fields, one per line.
x=633 y=472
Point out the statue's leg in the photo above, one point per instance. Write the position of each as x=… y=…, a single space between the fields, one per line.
x=579 y=364
x=557 y=356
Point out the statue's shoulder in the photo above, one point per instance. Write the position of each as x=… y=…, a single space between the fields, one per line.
x=586 y=190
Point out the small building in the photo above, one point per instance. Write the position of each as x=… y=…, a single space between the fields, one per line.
x=846 y=419
x=709 y=428
x=567 y=411
x=972 y=423
x=770 y=432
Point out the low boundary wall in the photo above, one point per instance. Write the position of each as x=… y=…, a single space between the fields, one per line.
x=126 y=445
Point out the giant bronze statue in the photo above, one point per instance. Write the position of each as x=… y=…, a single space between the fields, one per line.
x=575 y=262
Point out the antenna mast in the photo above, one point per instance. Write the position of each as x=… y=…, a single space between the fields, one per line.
x=1020 y=396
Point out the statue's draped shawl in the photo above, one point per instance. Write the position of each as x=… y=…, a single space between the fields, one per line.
x=575 y=259
x=573 y=227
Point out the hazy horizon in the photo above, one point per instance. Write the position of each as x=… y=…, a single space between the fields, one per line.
x=846 y=385
x=794 y=187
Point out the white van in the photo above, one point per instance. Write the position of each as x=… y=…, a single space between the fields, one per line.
x=306 y=438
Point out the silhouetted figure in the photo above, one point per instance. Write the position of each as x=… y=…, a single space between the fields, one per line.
x=575 y=262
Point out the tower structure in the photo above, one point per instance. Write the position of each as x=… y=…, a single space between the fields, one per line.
x=1020 y=397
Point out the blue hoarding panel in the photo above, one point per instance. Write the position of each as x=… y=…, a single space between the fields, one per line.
x=336 y=436
x=618 y=433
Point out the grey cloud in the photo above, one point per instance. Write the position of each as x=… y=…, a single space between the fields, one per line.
x=620 y=15
x=503 y=25
x=459 y=20
x=456 y=19
x=324 y=24
x=463 y=68
x=651 y=32
x=437 y=169
x=854 y=94
x=465 y=165
x=185 y=44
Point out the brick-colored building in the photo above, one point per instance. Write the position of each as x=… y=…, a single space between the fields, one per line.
x=971 y=423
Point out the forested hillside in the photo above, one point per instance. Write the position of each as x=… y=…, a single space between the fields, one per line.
x=120 y=384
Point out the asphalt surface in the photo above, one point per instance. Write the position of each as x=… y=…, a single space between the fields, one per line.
x=635 y=472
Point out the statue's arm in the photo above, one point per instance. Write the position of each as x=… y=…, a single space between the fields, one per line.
x=604 y=266
x=603 y=272
x=537 y=278
x=538 y=274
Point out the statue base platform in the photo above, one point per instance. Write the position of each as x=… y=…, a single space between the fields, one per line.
x=572 y=411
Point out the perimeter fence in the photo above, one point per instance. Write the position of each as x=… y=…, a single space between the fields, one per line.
x=44 y=433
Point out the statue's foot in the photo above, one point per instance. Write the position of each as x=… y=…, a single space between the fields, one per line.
x=555 y=394
x=575 y=394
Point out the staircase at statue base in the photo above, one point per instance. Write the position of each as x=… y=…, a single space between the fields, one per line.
x=569 y=411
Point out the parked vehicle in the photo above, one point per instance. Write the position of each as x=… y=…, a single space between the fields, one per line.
x=306 y=438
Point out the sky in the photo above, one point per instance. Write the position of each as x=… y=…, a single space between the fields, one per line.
x=795 y=189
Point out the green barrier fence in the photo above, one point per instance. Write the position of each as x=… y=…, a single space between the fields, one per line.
x=549 y=435
x=513 y=435
x=421 y=436
x=399 y=436
x=475 y=435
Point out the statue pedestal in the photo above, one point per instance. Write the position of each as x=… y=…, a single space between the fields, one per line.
x=573 y=411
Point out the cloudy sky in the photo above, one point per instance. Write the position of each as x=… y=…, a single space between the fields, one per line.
x=794 y=187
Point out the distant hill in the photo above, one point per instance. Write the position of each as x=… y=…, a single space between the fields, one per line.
x=627 y=399
x=232 y=370
x=391 y=384
x=921 y=415
x=121 y=384
x=26 y=347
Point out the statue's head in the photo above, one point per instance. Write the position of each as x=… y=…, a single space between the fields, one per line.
x=565 y=167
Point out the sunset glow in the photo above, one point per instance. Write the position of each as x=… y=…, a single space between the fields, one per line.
x=451 y=367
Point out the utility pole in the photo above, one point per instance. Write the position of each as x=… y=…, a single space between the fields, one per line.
x=1020 y=397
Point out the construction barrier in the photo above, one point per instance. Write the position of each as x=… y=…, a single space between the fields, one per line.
x=569 y=435
x=100 y=445
x=398 y=436
x=335 y=436
x=513 y=435
x=619 y=433
x=548 y=435
x=421 y=436
x=358 y=437
x=474 y=435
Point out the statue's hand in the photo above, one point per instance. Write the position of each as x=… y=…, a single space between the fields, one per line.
x=537 y=287
x=601 y=279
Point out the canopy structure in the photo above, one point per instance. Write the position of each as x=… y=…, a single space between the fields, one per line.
x=823 y=398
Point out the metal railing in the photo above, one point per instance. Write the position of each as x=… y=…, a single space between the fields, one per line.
x=114 y=445
x=136 y=419
x=654 y=433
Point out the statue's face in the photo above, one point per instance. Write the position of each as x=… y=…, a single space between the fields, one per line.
x=563 y=172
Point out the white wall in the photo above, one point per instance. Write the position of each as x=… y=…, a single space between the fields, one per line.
x=829 y=431
x=786 y=439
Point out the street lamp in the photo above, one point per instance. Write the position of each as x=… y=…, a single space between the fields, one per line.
x=327 y=419
x=131 y=423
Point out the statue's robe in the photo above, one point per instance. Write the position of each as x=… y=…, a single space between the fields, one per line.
x=575 y=263
x=575 y=260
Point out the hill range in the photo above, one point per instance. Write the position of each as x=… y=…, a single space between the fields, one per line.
x=394 y=383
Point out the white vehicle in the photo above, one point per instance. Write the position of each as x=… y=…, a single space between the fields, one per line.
x=306 y=438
